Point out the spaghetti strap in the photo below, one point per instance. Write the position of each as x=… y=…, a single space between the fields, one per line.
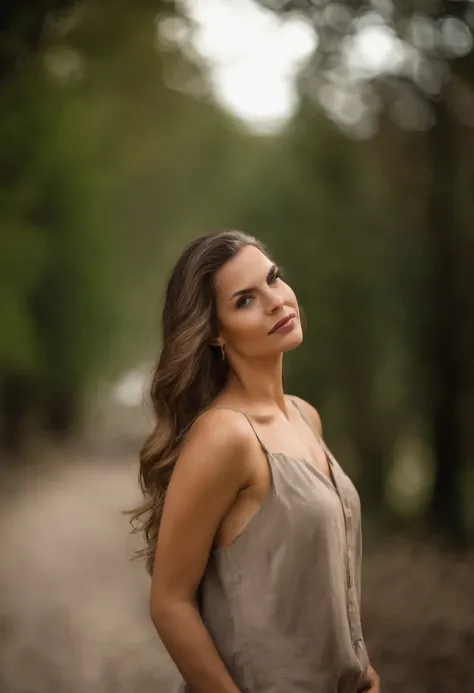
x=306 y=420
x=252 y=426
x=319 y=438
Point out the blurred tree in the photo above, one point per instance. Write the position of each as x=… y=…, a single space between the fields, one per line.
x=21 y=25
x=109 y=166
x=53 y=288
x=424 y=83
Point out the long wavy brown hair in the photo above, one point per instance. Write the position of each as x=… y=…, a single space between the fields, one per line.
x=189 y=374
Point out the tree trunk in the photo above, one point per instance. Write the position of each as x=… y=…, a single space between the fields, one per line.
x=445 y=330
x=17 y=407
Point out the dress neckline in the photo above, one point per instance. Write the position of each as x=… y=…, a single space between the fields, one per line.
x=331 y=482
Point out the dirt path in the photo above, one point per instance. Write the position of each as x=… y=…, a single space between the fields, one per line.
x=73 y=609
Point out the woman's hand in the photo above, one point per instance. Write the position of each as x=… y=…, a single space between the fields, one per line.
x=374 y=681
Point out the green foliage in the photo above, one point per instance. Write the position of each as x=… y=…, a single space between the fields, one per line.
x=113 y=155
x=51 y=253
x=107 y=172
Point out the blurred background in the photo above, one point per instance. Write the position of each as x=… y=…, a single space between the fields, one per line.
x=340 y=133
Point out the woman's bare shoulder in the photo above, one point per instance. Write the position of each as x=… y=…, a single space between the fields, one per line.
x=217 y=439
x=310 y=412
x=218 y=425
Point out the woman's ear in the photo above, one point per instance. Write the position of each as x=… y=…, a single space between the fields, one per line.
x=218 y=343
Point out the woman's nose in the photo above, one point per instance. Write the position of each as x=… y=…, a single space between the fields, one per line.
x=275 y=302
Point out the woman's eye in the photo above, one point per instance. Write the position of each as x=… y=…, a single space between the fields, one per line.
x=274 y=277
x=243 y=301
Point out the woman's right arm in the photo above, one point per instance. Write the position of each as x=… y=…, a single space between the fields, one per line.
x=208 y=475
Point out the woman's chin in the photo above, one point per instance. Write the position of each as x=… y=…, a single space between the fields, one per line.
x=292 y=341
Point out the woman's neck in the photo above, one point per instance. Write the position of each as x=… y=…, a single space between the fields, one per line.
x=258 y=383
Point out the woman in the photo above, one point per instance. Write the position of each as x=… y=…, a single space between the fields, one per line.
x=256 y=564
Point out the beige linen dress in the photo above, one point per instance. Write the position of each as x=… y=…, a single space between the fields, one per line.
x=282 y=602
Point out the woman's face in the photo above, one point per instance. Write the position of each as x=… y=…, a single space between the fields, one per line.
x=252 y=301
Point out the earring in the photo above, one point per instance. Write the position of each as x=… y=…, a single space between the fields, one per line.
x=222 y=352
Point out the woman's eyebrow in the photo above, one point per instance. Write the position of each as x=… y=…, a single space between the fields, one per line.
x=241 y=292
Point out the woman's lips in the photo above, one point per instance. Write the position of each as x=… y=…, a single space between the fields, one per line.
x=286 y=324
